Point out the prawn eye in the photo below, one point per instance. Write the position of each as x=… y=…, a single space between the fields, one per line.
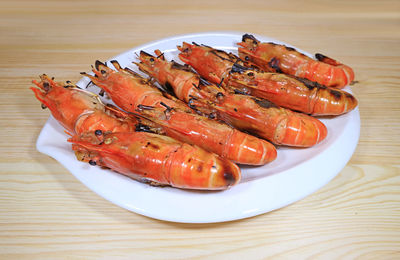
x=92 y=162
x=103 y=72
x=247 y=58
x=250 y=74
x=151 y=59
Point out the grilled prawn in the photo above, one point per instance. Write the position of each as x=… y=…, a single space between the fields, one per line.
x=157 y=159
x=80 y=111
x=280 y=58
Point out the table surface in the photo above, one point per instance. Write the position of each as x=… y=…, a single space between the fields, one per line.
x=46 y=213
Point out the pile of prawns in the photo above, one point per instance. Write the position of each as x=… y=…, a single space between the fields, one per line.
x=217 y=110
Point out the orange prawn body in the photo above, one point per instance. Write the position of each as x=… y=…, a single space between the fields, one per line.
x=278 y=125
x=213 y=136
x=177 y=121
x=128 y=89
x=80 y=111
x=300 y=95
x=287 y=91
x=158 y=160
x=280 y=58
x=211 y=64
x=260 y=117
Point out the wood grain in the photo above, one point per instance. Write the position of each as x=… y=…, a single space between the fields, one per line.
x=45 y=213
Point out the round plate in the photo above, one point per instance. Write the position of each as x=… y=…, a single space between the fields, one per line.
x=295 y=173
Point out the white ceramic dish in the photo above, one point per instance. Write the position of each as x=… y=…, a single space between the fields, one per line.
x=295 y=174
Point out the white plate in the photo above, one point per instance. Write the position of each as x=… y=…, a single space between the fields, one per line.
x=295 y=174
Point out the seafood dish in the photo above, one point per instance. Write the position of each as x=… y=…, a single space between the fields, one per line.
x=191 y=123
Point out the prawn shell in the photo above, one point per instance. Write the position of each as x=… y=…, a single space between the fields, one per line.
x=294 y=93
x=274 y=57
x=79 y=111
x=159 y=160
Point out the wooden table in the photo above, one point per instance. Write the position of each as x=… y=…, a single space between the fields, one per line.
x=45 y=213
